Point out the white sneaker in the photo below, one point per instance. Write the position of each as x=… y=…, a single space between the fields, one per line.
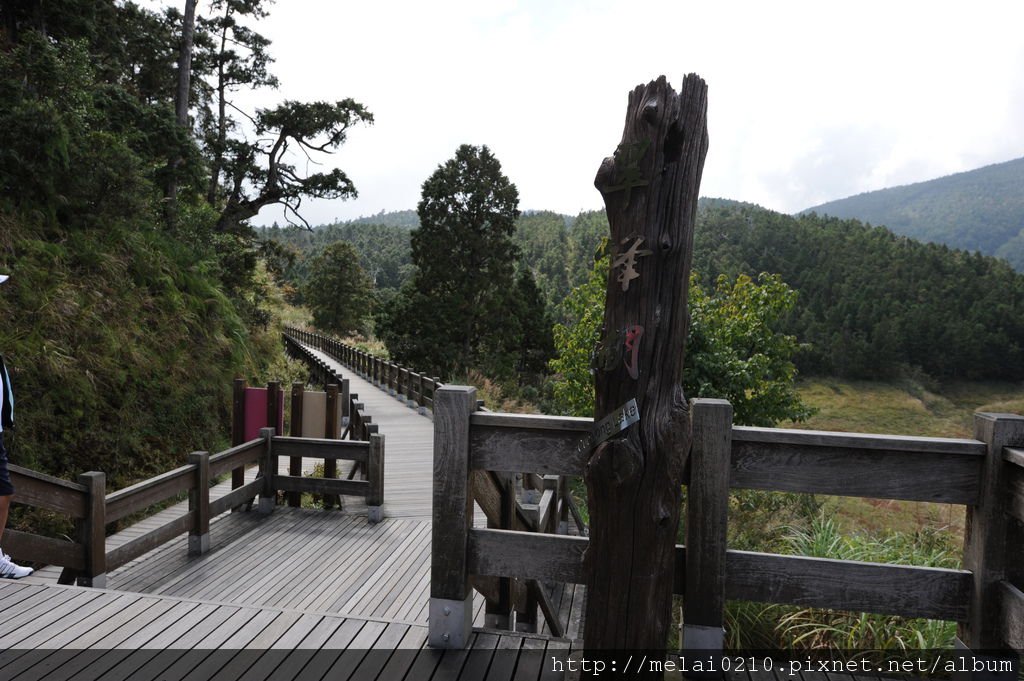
x=9 y=570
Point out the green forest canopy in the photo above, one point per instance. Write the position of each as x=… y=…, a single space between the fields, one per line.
x=870 y=304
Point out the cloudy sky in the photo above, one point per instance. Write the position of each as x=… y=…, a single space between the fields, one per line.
x=808 y=101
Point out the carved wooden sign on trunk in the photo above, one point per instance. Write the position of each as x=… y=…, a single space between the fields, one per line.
x=634 y=477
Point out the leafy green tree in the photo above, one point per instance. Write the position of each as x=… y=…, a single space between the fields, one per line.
x=542 y=240
x=338 y=291
x=734 y=350
x=465 y=259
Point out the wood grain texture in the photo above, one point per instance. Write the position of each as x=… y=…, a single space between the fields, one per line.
x=1015 y=493
x=235 y=497
x=323 y=486
x=199 y=495
x=332 y=450
x=92 y=531
x=452 y=508
x=650 y=189
x=149 y=541
x=375 y=471
x=985 y=551
x=47 y=492
x=542 y=450
x=31 y=547
x=934 y=593
x=820 y=468
x=526 y=555
x=707 y=512
x=238 y=456
x=144 y=494
x=1011 y=615
x=836 y=440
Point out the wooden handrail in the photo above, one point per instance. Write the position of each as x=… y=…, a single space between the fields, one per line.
x=979 y=473
x=405 y=381
x=87 y=558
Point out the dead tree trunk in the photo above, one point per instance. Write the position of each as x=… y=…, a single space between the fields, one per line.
x=634 y=479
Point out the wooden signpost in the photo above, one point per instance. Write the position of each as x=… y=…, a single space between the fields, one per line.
x=634 y=476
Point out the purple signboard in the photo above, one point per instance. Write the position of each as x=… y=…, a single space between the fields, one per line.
x=256 y=412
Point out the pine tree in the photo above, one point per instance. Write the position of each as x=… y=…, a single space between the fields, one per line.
x=456 y=305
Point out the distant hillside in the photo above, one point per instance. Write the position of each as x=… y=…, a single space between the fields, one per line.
x=873 y=304
x=979 y=210
x=395 y=218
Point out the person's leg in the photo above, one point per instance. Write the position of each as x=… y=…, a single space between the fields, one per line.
x=8 y=569
x=5 y=505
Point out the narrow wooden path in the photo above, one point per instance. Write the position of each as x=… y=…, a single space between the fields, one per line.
x=296 y=594
x=408 y=448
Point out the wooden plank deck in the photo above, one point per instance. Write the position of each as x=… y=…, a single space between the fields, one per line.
x=62 y=633
x=297 y=594
x=291 y=585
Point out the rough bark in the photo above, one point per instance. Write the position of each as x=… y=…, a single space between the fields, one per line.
x=181 y=102
x=650 y=189
x=188 y=31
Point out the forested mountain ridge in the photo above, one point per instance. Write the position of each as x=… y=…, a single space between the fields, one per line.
x=980 y=209
x=873 y=304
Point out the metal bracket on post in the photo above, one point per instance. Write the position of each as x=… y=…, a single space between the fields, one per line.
x=451 y=622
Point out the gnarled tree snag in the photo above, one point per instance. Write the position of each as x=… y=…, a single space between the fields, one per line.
x=650 y=188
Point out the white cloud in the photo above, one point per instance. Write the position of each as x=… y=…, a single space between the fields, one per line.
x=808 y=101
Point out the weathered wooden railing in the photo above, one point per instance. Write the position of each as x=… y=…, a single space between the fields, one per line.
x=86 y=558
x=986 y=475
x=357 y=423
x=413 y=387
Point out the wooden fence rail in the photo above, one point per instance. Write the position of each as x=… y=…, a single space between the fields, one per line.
x=86 y=559
x=985 y=474
x=413 y=387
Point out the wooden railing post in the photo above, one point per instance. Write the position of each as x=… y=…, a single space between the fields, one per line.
x=985 y=532
x=451 y=598
x=497 y=613
x=268 y=468
x=331 y=431
x=238 y=430
x=707 y=509
x=375 y=474
x=273 y=404
x=346 y=407
x=92 y=530
x=295 y=430
x=199 y=505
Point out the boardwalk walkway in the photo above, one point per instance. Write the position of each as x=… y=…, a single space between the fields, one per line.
x=297 y=579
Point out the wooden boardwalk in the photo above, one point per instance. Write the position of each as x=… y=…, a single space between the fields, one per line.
x=294 y=581
x=299 y=594
x=62 y=633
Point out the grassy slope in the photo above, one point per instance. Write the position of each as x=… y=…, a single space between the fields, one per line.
x=907 y=409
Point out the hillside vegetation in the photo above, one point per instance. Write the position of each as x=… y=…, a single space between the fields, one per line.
x=979 y=210
x=135 y=294
x=873 y=304
x=870 y=305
